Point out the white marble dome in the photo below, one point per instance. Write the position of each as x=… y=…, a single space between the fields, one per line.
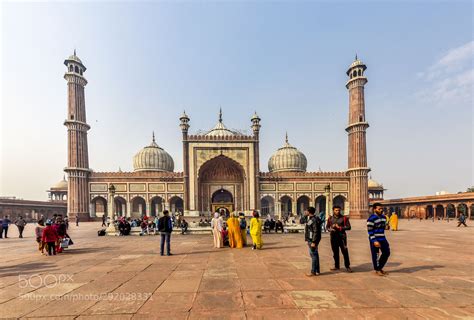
x=153 y=158
x=287 y=158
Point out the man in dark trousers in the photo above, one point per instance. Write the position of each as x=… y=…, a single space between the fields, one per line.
x=312 y=235
x=376 y=226
x=165 y=227
x=337 y=226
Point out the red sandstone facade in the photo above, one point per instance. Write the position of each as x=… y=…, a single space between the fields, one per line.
x=220 y=164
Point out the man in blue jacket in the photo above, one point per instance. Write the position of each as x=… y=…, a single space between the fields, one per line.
x=165 y=227
x=376 y=226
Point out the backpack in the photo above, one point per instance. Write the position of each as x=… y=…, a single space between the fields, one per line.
x=101 y=232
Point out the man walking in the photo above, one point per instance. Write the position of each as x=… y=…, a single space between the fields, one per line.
x=462 y=220
x=376 y=226
x=337 y=226
x=20 y=224
x=165 y=228
x=5 y=223
x=312 y=234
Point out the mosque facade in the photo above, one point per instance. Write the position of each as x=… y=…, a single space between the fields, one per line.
x=221 y=168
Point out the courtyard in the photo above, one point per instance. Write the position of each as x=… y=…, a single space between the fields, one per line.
x=431 y=277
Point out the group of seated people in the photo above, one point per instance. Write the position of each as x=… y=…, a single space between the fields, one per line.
x=148 y=226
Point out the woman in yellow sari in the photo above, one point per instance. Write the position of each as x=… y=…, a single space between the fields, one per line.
x=394 y=222
x=256 y=231
x=235 y=236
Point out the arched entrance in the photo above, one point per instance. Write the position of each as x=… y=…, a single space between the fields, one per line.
x=138 y=207
x=120 y=206
x=439 y=211
x=286 y=205
x=302 y=204
x=99 y=207
x=339 y=201
x=156 y=206
x=267 y=206
x=429 y=212
x=176 y=204
x=451 y=211
x=222 y=199
x=320 y=204
x=222 y=178
x=462 y=209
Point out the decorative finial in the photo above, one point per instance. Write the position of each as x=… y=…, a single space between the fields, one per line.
x=320 y=169
x=64 y=177
x=153 y=135
x=74 y=51
x=356 y=57
x=220 y=114
x=120 y=169
x=286 y=137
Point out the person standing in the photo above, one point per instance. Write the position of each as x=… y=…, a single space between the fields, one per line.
x=1 y=228
x=39 y=234
x=235 y=236
x=312 y=234
x=77 y=220
x=376 y=226
x=20 y=224
x=393 y=221
x=165 y=227
x=5 y=224
x=243 y=228
x=216 y=225
x=103 y=220
x=337 y=226
x=50 y=237
x=256 y=231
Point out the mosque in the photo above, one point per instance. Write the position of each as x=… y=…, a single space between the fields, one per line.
x=221 y=168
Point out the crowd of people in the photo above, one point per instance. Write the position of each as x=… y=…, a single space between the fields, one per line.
x=51 y=235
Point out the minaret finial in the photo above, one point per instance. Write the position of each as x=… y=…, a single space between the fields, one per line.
x=220 y=114
x=64 y=177
x=286 y=137
x=153 y=135
x=356 y=57
x=74 y=51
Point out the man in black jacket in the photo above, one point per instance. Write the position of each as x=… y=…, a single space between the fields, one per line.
x=337 y=226
x=312 y=235
x=165 y=227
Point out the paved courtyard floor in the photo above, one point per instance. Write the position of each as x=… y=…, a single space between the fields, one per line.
x=431 y=277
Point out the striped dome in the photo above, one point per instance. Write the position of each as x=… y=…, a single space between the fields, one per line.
x=153 y=158
x=287 y=158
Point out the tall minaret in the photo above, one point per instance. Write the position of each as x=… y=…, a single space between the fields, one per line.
x=256 y=151
x=184 y=125
x=357 y=168
x=77 y=158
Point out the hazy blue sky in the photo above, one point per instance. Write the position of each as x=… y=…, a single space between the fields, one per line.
x=149 y=61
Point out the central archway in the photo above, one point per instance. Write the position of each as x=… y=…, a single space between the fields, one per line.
x=221 y=180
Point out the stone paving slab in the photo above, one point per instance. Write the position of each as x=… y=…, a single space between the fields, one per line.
x=431 y=277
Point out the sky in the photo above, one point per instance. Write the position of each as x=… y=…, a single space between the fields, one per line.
x=148 y=61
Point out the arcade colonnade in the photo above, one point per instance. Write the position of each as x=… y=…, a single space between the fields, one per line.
x=441 y=206
x=287 y=204
x=137 y=207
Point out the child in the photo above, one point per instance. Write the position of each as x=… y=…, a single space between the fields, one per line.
x=49 y=237
x=39 y=234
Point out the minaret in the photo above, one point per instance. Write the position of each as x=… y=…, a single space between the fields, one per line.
x=184 y=125
x=256 y=145
x=78 y=158
x=357 y=160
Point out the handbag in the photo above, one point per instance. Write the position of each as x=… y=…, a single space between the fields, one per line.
x=70 y=242
x=64 y=243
